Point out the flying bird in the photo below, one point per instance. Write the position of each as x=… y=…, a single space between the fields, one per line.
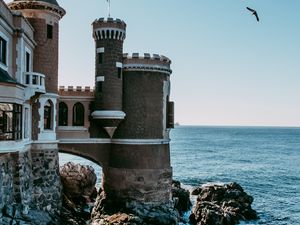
x=253 y=13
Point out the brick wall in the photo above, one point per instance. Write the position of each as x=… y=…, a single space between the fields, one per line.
x=143 y=104
x=45 y=59
x=111 y=96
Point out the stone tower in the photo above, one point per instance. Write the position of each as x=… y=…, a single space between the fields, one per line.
x=141 y=155
x=108 y=110
x=44 y=16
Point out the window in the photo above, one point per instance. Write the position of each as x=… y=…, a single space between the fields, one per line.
x=3 y=50
x=119 y=72
x=26 y=123
x=63 y=114
x=49 y=31
x=100 y=57
x=10 y=121
x=78 y=115
x=48 y=115
x=99 y=86
x=27 y=58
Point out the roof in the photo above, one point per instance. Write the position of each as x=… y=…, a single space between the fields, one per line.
x=53 y=2
x=4 y=77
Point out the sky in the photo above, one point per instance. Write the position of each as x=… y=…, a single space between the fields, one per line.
x=228 y=69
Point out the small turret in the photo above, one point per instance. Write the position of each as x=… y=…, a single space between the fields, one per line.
x=109 y=36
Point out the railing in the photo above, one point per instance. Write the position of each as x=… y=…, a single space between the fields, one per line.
x=35 y=81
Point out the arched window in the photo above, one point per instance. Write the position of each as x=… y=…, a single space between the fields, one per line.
x=78 y=114
x=63 y=114
x=48 y=108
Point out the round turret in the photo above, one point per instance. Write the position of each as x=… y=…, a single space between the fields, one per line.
x=50 y=5
x=44 y=16
x=146 y=93
x=109 y=35
x=146 y=62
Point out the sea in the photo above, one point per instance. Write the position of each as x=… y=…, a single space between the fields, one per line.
x=265 y=161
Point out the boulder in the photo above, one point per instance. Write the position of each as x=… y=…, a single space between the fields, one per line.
x=222 y=205
x=181 y=197
x=79 y=193
x=110 y=210
x=78 y=182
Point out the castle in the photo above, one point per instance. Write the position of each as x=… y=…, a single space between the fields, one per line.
x=122 y=124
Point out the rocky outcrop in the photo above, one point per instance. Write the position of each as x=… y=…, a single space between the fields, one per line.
x=181 y=197
x=79 y=193
x=78 y=182
x=111 y=211
x=13 y=214
x=222 y=205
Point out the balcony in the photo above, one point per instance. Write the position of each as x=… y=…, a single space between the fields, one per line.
x=35 y=83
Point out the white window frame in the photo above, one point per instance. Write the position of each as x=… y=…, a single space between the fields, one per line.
x=27 y=50
x=3 y=66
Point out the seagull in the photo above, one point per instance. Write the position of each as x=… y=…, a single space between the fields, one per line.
x=253 y=13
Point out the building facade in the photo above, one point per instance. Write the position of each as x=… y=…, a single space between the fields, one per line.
x=122 y=124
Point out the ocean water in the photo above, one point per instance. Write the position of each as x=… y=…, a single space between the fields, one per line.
x=264 y=160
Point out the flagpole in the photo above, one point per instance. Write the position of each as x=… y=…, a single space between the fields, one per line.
x=108 y=8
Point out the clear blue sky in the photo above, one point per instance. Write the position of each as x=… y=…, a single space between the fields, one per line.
x=227 y=68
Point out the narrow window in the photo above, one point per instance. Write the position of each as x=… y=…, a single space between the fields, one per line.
x=63 y=114
x=119 y=72
x=78 y=114
x=100 y=57
x=48 y=115
x=49 y=31
x=26 y=122
x=27 y=62
x=3 y=50
x=99 y=86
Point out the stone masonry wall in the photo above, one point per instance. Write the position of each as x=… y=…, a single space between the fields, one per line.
x=6 y=181
x=46 y=181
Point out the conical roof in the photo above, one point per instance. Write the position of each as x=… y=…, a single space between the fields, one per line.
x=53 y=2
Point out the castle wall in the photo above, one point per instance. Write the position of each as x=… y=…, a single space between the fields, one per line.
x=143 y=104
x=45 y=59
x=6 y=181
x=47 y=187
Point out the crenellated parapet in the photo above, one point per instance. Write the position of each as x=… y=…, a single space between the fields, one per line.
x=109 y=29
x=75 y=91
x=146 y=62
x=51 y=6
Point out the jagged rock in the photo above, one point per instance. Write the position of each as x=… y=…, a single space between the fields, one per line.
x=222 y=205
x=78 y=181
x=112 y=211
x=181 y=197
x=79 y=193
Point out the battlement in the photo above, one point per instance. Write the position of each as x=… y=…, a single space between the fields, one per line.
x=146 y=62
x=75 y=89
x=39 y=5
x=109 y=29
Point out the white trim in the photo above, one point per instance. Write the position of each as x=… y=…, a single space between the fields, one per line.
x=6 y=26
x=14 y=146
x=147 y=67
x=71 y=128
x=100 y=78
x=81 y=98
x=115 y=141
x=108 y=114
x=140 y=141
x=119 y=65
x=100 y=50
